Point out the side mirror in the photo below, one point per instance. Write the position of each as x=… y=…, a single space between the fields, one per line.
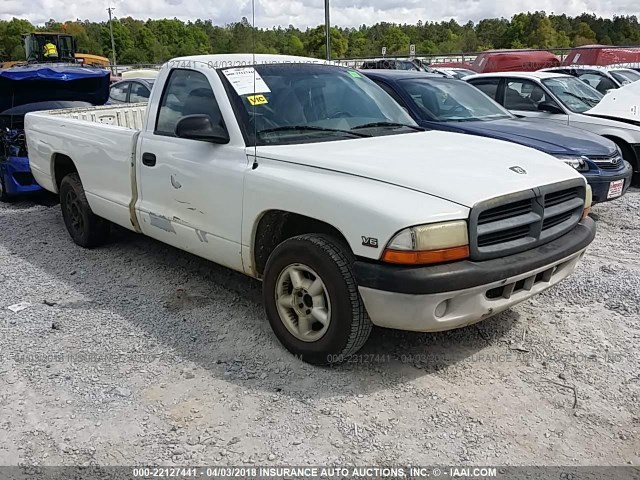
x=549 y=108
x=199 y=127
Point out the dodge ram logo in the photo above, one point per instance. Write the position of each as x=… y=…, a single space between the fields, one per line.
x=518 y=170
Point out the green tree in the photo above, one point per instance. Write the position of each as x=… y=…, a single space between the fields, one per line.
x=396 y=41
x=584 y=35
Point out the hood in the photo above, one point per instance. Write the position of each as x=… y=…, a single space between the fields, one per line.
x=14 y=117
x=464 y=170
x=44 y=83
x=548 y=137
x=621 y=103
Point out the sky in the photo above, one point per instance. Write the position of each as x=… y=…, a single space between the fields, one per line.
x=306 y=13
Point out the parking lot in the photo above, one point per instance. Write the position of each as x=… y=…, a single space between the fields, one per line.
x=138 y=353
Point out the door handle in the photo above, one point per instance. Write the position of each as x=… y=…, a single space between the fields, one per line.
x=149 y=159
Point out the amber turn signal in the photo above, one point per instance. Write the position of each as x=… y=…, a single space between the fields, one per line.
x=425 y=256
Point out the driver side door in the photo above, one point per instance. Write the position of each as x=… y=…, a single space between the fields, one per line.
x=190 y=191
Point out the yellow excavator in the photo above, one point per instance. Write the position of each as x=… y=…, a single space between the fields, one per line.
x=34 y=47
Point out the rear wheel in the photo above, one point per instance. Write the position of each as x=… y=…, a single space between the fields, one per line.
x=86 y=229
x=4 y=197
x=312 y=300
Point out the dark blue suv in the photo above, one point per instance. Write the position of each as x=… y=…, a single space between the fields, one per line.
x=440 y=103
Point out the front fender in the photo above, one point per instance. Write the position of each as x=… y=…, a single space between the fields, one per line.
x=360 y=208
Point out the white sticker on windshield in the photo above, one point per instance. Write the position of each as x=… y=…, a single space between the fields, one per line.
x=246 y=80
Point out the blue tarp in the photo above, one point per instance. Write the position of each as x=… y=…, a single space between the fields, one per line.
x=57 y=73
x=45 y=83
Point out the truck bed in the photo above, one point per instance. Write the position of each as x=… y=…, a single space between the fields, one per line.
x=130 y=115
x=101 y=143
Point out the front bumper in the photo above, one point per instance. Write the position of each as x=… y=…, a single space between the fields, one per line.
x=600 y=182
x=17 y=176
x=443 y=297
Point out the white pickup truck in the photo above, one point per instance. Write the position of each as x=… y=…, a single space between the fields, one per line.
x=311 y=178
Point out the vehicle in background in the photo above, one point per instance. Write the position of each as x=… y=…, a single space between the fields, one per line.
x=32 y=88
x=89 y=60
x=602 y=79
x=462 y=65
x=309 y=177
x=569 y=101
x=392 y=64
x=602 y=55
x=131 y=91
x=458 y=73
x=454 y=106
x=66 y=47
x=15 y=174
x=513 y=61
x=140 y=73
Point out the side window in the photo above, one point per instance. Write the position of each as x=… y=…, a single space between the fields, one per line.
x=599 y=81
x=391 y=92
x=488 y=87
x=139 y=93
x=524 y=95
x=187 y=92
x=119 y=92
x=591 y=79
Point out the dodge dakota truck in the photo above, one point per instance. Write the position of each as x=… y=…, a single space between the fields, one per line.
x=311 y=178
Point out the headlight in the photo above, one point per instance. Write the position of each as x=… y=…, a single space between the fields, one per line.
x=588 y=200
x=578 y=163
x=433 y=243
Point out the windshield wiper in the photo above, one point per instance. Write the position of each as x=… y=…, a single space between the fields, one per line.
x=388 y=124
x=300 y=128
x=585 y=100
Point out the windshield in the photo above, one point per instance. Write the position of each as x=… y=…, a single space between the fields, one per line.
x=573 y=93
x=625 y=76
x=302 y=103
x=447 y=100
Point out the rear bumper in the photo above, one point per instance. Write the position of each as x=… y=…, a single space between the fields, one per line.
x=448 y=296
x=600 y=182
x=17 y=176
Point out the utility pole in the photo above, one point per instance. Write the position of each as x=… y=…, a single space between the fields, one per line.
x=327 y=28
x=113 y=43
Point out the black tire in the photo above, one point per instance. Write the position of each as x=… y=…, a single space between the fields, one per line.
x=86 y=229
x=4 y=196
x=349 y=325
x=629 y=155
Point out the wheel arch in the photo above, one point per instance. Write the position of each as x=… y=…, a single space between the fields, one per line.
x=61 y=166
x=275 y=226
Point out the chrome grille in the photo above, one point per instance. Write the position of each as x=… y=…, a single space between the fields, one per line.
x=607 y=162
x=524 y=220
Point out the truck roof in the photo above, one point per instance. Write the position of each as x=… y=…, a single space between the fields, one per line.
x=243 y=59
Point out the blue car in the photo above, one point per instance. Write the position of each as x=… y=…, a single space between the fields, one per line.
x=33 y=88
x=15 y=173
x=451 y=105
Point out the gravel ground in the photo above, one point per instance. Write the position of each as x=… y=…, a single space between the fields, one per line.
x=137 y=353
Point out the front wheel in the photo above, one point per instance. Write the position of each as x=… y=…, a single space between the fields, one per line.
x=312 y=300
x=86 y=228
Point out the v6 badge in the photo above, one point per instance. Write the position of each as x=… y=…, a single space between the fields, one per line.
x=370 y=242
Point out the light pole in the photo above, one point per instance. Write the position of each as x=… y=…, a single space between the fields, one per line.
x=327 y=28
x=113 y=43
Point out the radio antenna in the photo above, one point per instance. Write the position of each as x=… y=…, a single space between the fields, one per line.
x=255 y=121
